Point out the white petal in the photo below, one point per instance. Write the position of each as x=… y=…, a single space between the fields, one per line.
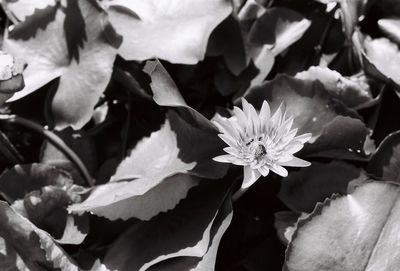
x=279 y=170
x=249 y=110
x=250 y=176
x=287 y=124
x=285 y=158
x=294 y=147
x=303 y=138
x=228 y=139
x=290 y=136
x=239 y=162
x=264 y=170
x=277 y=117
x=295 y=162
x=225 y=126
x=241 y=117
x=226 y=158
x=265 y=112
x=231 y=150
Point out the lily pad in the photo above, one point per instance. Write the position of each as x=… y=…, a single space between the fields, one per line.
x=302 y=190
x=42 y=193
x=385 y=163
x=352 y=91
x=183 y=28
x=354 y=232
x=315 y=111
x=185 y=231
x=28 y=247
x=46 y=53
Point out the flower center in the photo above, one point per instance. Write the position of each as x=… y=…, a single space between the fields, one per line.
x=260 y=151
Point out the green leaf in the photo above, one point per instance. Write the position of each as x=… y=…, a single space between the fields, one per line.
x=178 y=147
x=75 y=29
x=181 y=28
x=391 y=26
x=336 y=129
x=353 y=91
x=28 y=245
x=185 y=231
x=382 y=60
x=385 y=163
x=81 y=84
x=354 y=232
x=207 y=261
x=272 y=33
x=33 y=23
x=42 y=193
x=21 y=9
x=303 y=189
x=227 y=40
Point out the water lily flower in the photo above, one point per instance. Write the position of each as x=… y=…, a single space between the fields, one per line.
x=260 y=142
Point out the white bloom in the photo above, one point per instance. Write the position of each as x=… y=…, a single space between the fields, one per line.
x=260 y=142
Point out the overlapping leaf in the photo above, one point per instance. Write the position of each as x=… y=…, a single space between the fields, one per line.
x=143 y=174
x=26 y=247
x=302 y=190
x=385 y=163
x=175 y=31
x=381 y=60
x=186 y=143
x=42 y=193
x=391 y=26
x=336 y=130
x=47 y=53
x=186 y=231
x=267 y=33
x=353 y=91
x=354 y=232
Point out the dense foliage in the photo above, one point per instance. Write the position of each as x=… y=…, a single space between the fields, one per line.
x=117 y=116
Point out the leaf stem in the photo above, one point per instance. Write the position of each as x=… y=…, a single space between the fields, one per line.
x=55 y=140
x=8 y=150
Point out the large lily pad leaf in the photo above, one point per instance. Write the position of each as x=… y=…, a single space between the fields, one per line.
x=352 y=91
x=186 y=143
x=27 y=247
x=42 y=193
x=124 y=200
x=20 y=9
x=183 y=28
x=385 y=163
x=382 y=59
x=166 y=152
x=354 y=232
x=165 y=93
x=285 y=225
x=273 y=31
x=302 y=190
x=227 y=40
x=315 y=111
x=207 y=262
x=278 y=27
x=391 y=26
x=185 y=231
x=354 y=144
x=47 y=55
